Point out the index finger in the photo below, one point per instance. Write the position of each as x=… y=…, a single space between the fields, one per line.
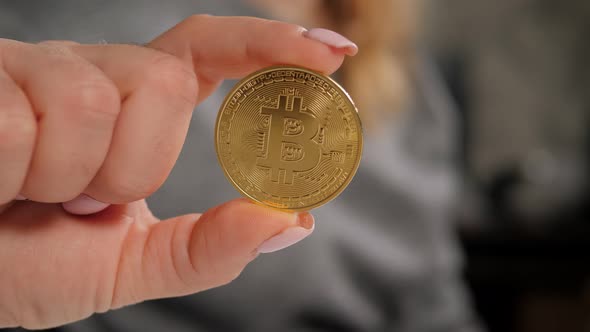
x=231 y=47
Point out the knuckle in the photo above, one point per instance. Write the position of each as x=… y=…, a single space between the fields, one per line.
x=174 y=79
x=17 y=129
x=55 y=50
x=8 y=45
x=93 y=97
x=196 y=19
x=207 y=265
x=58 y=43
x=129 y=189
x=210 y=241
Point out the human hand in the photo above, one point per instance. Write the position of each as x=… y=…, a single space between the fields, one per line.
x=108 y=122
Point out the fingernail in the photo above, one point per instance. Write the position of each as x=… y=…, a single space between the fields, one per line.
x=290 y=236
x=20 y=197
x=83 y=205
x=332 y=39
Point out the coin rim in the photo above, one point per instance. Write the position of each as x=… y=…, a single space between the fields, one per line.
x=309 y=71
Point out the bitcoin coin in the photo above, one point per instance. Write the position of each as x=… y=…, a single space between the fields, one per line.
x=289 y=138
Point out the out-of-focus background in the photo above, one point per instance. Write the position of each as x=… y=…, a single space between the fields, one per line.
x=519 y=73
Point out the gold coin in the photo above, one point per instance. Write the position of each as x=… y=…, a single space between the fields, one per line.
x=289 y=138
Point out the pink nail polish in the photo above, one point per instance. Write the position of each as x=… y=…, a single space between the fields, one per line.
x=83 y=205
x=289 y=236
x=20 y=197
x=332 y=39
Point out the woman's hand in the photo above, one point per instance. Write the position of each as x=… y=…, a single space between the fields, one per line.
x=108 y=122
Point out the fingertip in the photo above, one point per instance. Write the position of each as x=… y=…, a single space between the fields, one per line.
x=348 y=50
x=306 y=220
x=337 y=42
x=274 y=229
x=84 y=205
x=290 y=235
x=243 y=210
x=245 y=225
x=226 y=238
x=20 y=197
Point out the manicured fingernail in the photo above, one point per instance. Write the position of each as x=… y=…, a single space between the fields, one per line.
x=332 y=39
x=290 y=236
x=20 y=198
x=83 y=205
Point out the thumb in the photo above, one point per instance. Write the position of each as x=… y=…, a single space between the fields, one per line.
x=191 y=253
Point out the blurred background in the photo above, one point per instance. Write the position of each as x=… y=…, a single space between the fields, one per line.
x=514 y=78
x=518 y=71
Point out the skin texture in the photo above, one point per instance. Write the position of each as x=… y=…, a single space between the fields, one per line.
x=109 y=121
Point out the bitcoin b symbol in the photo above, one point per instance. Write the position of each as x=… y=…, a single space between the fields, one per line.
x=290 y=145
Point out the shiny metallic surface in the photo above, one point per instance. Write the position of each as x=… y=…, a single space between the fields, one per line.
x=289 y=138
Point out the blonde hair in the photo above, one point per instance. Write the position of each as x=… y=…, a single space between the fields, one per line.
x=377 y=78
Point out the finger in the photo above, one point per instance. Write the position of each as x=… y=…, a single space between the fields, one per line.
x=17 y=137
x=231 y=47
x=159 y=93
x=76 y=107
x=192 y=253
x=145 y=148
x=84 y=205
